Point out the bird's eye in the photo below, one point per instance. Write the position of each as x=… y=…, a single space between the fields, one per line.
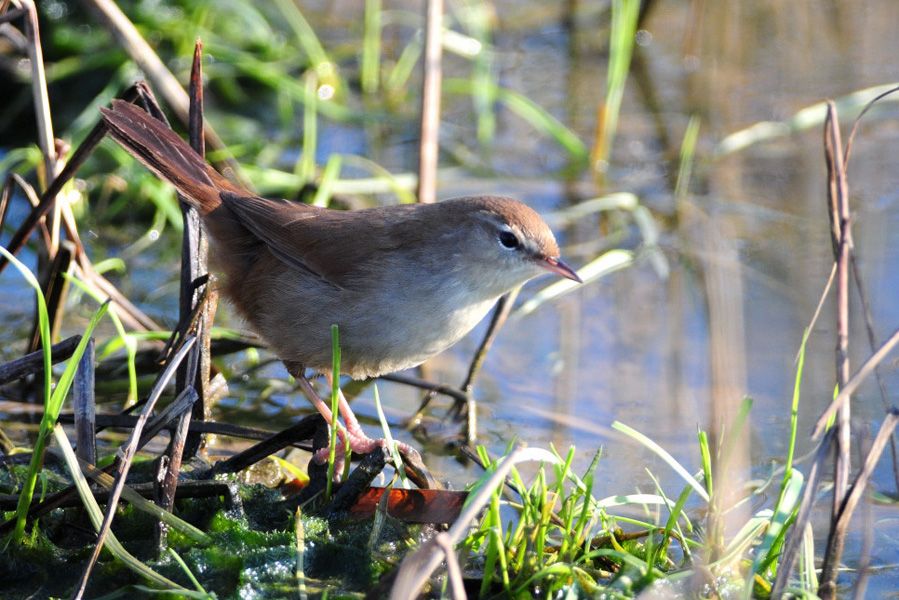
x=508 y=240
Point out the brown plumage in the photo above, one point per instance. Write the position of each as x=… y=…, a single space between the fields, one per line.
x=402 y=282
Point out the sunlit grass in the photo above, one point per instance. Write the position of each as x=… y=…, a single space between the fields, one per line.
x=563 y=535
x=562 y=539
x=53 y=397
x=621 y=47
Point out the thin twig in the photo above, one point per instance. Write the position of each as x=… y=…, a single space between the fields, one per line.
x=863 y=296
x=468 y=407
x=48 y=197
x=424 y=384
x=54 y=286
x=846 y=391
x=302 y=430
x=500 y=315
x=824 y=293
x=873 y=343
x=794 y=538
x=848 y=151
x=191 y=489
x=847 y=508
x=417 y=567
x=30 y=195
x=130 y=314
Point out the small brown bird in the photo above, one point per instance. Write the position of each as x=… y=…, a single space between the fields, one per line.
x=402 y=282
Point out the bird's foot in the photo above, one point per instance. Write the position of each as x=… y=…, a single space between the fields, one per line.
x=359 y=444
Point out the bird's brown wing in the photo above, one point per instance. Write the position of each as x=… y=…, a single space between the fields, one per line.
x=303 y=237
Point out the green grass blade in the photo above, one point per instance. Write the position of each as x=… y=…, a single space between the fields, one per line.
x=401 y=185
x=605 y=264
x=744 y=538
x=307 y=38
x=528 y=110
x=53 y=399
x=128 y=340
x=43 y=318
x=706 y=455
x=385 y=428
x=664 y=455
x=621 y=47
x=37 y=455
x=401 y=72
x=305 y=167
x=806 y=118
x=784 y=511
x=794 y=411
x=735 y=430
x=52 y=408
x=335 y=388
x=186 y=570
x=687 y=154
x=370 y=66
x=632 y=499
x=330 y=174
x=96 y=516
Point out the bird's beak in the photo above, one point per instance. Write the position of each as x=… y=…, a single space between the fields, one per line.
x=558 y=266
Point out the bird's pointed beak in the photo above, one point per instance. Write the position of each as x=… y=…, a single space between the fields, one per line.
x=558 y=266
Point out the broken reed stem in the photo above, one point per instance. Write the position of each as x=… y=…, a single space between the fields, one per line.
x=84 y=407
x=39 y=94
x=430 y=102
x=842 y=245
x=839 y=203
x=34 y=362
x=845 y=498
x=194 y=254
x=153 y=427
x=863 y=296
x=124 y=457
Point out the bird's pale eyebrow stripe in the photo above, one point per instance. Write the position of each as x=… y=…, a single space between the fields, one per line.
x=495 y=219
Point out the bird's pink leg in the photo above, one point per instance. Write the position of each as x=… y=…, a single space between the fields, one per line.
x=360 y=443
x=324 y=410
x=363 y=443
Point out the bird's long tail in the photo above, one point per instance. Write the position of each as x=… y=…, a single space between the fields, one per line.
x=167 y=155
